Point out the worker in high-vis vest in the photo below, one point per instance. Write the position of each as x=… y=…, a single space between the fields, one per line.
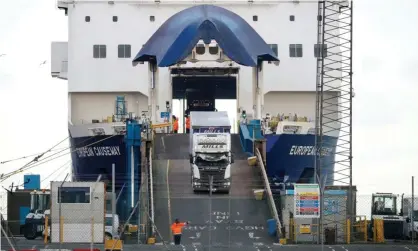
x=176 y=229
x=175 y=124
x=187 y=124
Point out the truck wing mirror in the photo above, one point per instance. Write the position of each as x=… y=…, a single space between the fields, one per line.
x=408 y=220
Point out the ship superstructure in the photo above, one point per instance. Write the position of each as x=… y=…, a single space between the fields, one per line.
x=104 y=88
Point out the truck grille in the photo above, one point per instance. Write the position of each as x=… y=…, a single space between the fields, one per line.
x=206 y=172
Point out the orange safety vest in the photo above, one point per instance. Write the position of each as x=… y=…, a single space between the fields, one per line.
x=176 y=125
x=187 y=123
x=176 y=228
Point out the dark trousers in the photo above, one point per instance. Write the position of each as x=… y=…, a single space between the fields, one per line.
x=175 y=131
x=187 y=130
x=177 y=239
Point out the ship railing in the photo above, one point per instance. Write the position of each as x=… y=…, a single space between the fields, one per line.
x=162 y=127
x=270 y=199
x=151 y=193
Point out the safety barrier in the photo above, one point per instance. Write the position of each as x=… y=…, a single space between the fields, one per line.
x=163 y=127
x=378 y=231
x=246 y=141
x=270 y=199
x=248 y=133
x=151 y=192
x=359 y=229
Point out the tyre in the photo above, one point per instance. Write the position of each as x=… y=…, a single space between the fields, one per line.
x=30 y=231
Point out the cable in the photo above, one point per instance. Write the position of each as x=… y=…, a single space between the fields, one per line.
x=42 y=154
x=27 y=167
x=56 y=170
x=63 y=149
x=27 y=156
x=59 y=174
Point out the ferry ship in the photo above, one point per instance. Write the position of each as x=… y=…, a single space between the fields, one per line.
x=104 y=87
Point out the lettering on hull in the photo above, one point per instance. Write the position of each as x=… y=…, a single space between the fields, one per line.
x=309 y=150
x=98 y=151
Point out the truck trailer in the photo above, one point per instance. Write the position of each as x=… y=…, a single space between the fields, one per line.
x=210 y=151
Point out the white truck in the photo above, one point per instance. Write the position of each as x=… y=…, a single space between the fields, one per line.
x=210 y=151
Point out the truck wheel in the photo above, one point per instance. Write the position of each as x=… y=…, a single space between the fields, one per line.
x=30 y=231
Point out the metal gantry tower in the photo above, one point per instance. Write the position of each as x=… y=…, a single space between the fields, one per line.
x=334 y=111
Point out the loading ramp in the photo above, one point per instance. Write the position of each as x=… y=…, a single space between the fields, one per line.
x=220 y=220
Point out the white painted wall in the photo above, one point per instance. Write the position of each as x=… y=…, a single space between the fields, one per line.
x=88 y=106
x=134 y=27
x=112 y=74
x=301 y=103
x=59 y=57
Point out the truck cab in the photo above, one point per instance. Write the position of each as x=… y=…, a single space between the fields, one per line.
x=384 y=207
x=39 y=208
x=211 y=161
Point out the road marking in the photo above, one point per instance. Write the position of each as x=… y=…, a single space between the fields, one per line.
x=162 y=140
x=408 y=248
x=33 y=247
x=344 y=248
x=169 y=200
x=183 y=247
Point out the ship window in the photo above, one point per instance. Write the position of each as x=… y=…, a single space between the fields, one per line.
x=319 y=18
x=295 y=50
x=320 y=50
x=152 y=18
x=74 y=195
x=99 y=51
x=124 y=51
x=213 y=50
x=87 y=18
x=115 y=18
x=292 y=18
x=200 y=49
x=255 y=18
x=274 y=48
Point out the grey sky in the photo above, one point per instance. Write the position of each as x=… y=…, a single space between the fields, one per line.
x=33 y=106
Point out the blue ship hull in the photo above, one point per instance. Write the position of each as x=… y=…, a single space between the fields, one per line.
x=291 y=158
x=91 y=161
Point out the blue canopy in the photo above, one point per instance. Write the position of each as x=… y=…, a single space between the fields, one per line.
x=175 y=39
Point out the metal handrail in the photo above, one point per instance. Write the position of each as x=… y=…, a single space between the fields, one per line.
x=269 y=193
x=151 y=192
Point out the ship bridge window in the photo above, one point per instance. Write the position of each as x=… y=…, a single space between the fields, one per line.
x=255 y=18
x=124 y=51
x=99 y=51
x=74 y=195
x=320 y=50
x=115 y=18
x=200 y=49
x=292 y=18
x=87 y=19
x=213 y=50
x=295 y=50
x=152 y=18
